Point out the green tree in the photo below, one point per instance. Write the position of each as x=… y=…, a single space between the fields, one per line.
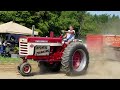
x=46 y=21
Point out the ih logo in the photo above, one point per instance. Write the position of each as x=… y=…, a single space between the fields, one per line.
x=31 y=45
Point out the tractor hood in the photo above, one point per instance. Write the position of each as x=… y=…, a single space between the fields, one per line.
x=43 y=39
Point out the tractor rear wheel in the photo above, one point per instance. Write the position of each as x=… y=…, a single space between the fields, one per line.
x=45 y=66
x=75 y=59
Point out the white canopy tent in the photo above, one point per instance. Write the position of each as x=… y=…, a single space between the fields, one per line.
x=14 y=28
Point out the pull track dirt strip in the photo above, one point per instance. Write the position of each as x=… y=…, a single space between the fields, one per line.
x=99 y=68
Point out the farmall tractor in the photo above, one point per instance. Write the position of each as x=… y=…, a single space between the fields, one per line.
x=53 y=54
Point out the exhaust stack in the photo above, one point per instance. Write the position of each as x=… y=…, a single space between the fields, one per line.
x=33 y=28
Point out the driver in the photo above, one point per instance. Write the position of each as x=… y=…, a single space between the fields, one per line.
x=70 y=35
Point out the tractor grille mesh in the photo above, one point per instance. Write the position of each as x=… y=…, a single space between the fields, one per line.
x=23 y=48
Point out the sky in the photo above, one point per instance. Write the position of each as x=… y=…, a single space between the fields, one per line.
x=105 y=12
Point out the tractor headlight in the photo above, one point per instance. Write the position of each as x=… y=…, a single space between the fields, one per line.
x=23 y=40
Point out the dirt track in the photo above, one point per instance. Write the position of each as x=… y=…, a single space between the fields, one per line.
x=98 y=69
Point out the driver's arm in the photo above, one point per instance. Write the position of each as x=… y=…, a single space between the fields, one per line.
x=65 y=36
x=71 y=32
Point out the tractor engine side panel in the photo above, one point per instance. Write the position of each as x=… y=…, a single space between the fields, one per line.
x=31 y=46
x=27 y=47
x=54 y=55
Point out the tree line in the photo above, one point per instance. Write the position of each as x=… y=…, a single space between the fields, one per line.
x=84 y=23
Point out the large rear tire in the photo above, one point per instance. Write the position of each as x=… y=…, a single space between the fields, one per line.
x=75 y=59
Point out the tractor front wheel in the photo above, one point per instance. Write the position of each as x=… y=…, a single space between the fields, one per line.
x=24 y=69
x=18 y=67
x=75 y=59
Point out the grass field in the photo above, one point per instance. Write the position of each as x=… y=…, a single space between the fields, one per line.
x=11 y=60
x=7 y=60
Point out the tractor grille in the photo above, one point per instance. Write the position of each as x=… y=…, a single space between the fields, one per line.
x=23 y=48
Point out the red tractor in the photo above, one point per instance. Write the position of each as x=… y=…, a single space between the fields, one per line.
x=53 y=54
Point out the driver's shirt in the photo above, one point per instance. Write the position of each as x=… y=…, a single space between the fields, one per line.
x=71 y=35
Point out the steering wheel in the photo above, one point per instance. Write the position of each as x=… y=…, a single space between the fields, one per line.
x=61 y=33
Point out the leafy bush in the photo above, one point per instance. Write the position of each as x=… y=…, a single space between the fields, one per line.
x=16 y=50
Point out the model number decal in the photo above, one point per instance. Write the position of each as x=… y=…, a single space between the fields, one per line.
x=42 y=50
